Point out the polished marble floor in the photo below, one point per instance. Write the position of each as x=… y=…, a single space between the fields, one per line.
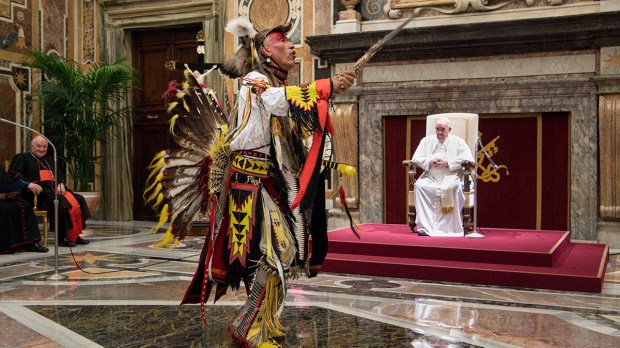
x=119 y=291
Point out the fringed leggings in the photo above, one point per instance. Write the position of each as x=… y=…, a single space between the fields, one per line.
x=259 y=320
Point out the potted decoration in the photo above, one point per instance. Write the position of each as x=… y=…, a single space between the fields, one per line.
x=80 y=108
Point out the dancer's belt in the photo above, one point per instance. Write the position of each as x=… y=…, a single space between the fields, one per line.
x=255 y=163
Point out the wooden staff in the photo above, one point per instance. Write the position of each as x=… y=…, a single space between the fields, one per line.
x=377 y=46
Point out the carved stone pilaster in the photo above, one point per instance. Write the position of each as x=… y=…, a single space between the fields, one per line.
x=609 y=151
x=346 y=126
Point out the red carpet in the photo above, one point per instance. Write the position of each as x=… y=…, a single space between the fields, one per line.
x=506 y=257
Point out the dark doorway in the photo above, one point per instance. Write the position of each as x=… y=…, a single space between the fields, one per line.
x=151 y=49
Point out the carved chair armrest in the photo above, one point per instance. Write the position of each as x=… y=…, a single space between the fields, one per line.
x=467 y=166
x=468 y=172
x=412 y=167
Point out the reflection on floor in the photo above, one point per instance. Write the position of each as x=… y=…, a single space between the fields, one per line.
x=119 y=291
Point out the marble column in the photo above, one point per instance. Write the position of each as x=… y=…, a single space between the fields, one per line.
x=116 y=196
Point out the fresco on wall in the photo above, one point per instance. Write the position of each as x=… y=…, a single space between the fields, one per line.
x=54 y=15
x=15 y=25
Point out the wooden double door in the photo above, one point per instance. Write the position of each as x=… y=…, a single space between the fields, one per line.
x=151 y=49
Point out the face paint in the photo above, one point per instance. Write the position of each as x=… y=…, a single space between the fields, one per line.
x=279 y=50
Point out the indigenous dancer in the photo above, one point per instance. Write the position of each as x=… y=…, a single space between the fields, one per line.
x=260 y=178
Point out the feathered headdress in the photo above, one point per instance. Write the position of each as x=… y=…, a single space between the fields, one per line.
x=241 y=27
x=248 y=55
x=241 y=62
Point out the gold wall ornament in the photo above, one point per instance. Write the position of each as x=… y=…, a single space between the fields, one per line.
x=200 y=42
x=269 y=14
x=488 y=173
x=170 y=65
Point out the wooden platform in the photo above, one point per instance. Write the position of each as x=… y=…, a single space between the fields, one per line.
x=505 y=257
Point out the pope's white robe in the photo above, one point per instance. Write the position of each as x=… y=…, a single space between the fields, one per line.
x=439 y=188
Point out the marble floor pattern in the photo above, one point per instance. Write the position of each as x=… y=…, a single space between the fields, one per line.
x=120 y=291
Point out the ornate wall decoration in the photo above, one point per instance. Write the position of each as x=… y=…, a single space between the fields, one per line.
x=268 y=14
x=11 y=8
x=21 y=78
x=15 y=25
x=381 y=9
x=610 y=60
x=487 y=172
x=374 y=9
x=457 y=6
x=88 y=32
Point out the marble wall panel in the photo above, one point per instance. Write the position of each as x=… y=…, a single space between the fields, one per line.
x=322 y=16
x=576 y=95
x=88 y=32
x=53 y=32
x=445 y=70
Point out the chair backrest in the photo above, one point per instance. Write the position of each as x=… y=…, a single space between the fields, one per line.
x=464 y=125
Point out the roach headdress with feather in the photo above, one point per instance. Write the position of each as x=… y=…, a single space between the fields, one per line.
x=248 y=56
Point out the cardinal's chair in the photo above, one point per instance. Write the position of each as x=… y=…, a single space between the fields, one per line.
x=40 y=213
x=465 y=126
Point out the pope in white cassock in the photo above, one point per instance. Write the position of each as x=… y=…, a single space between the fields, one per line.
x=439 y=195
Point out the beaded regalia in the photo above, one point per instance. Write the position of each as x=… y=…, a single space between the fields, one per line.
x=256 y=174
